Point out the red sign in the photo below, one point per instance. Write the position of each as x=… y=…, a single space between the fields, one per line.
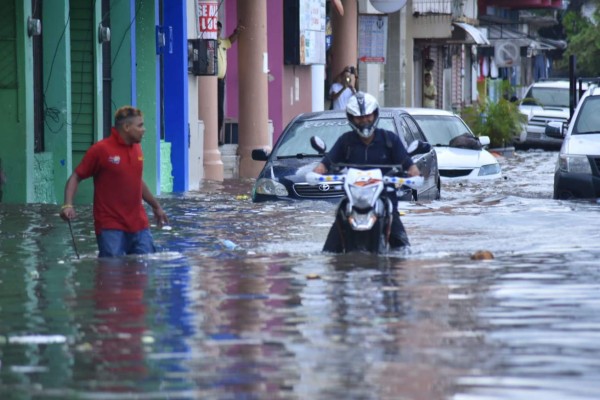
x=366 y=59
x=207 y=11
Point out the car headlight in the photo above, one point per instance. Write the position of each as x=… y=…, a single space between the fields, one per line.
x=270 y=187
x=577 y=164
x=490 y=169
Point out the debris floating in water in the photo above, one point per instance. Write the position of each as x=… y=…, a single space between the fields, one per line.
x=229 y=244
x=37 y=339
x=482 y=255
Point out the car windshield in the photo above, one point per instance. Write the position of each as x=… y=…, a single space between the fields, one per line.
x=441 y=129
x=547 y=97
x=588 y=119
x=296 y=140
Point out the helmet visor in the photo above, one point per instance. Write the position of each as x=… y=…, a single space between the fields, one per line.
x=364 y=125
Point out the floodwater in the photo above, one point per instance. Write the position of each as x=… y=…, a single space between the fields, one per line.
x=241 y=304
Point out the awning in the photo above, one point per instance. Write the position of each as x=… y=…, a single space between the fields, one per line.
x=498 y=33
x=473 y=32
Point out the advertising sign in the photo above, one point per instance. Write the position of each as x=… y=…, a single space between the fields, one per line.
x=313 y=22
x=207 y=12
x=372 y=38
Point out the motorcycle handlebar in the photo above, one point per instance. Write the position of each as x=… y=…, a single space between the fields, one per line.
x=314 y=178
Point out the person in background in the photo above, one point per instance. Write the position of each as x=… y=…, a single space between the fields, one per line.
x=429 y=91
x=223 y=44
x=343 y=88
x=116 y=164
x=367 y=144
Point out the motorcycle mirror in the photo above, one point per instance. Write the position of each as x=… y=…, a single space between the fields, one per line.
x=393 y=172
x=260 y=155
x=318 y=144
x=418 y=147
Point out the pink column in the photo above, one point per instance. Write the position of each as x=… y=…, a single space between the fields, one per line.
x=253 y=124
x=207 y=112
x=344 y=48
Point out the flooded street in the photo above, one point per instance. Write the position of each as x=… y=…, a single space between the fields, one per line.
x=242 y=304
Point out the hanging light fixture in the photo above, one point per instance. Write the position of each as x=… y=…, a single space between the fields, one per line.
x=388 y=6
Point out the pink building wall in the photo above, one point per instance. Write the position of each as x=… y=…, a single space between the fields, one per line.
x=283 y=105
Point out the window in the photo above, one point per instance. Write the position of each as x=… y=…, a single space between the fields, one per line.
x=588 y=119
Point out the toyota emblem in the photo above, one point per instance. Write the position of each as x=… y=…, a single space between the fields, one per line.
x=323 y=187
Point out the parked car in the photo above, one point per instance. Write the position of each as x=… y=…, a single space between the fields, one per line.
x=577 y=173
x=461 y=155
x=544 y=102
x=283 y=175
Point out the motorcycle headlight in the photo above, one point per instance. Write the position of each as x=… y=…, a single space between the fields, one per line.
x=270 y=187
x=363 y=197
x=490 y=169
x=362 y=222
x=577 y=164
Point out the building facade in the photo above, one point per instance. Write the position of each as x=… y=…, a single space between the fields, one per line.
x=67 y=65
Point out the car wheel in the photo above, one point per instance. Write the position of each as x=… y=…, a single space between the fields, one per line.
x=565 y=195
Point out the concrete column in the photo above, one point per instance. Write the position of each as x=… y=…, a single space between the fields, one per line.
x=253 y=124
x=344 y=48
x=207 y=112
x=318 y=86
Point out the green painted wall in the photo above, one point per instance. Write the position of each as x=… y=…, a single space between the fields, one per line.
x=57 y=94
x=41 y=177
x=120 y=24
x=144 y=96
x=146 y=88
x=43 y=187
x=166 y=177
x=16 y=102
x=86 y=86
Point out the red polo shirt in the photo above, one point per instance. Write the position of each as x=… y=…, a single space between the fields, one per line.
x=117 y=170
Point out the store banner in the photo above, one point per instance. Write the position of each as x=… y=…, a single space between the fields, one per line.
x=207 y=12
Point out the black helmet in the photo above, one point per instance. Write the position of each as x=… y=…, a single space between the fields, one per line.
x=359 y=105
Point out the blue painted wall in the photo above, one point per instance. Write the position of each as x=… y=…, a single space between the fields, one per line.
x=176 y=90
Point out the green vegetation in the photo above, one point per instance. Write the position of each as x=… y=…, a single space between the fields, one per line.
x=583 y=37
x=500 y=120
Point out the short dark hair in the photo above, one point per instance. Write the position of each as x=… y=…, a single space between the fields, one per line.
x=124 y=113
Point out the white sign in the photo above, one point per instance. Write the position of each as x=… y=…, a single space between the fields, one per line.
x=506 y=54
x=372 y=38
x=313 y=21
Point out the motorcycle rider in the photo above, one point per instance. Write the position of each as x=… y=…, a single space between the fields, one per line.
x=367 y=144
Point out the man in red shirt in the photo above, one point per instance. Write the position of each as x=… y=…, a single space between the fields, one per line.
x=116 y=164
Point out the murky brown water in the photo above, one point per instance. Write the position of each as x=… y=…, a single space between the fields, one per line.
x=242 y=304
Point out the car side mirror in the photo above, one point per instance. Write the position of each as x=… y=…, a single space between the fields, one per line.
x=318 y=144
x=484 y=140
x=418 y=147
x=555 y=129
x=260 y=155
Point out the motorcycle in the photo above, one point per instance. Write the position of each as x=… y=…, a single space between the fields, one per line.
x=364 y=215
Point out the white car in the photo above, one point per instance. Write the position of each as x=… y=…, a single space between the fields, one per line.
x=545 y=101
x=461 y=155
x=577 y=174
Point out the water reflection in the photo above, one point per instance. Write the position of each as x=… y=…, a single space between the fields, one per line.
x=112 y=342
x=242 y=303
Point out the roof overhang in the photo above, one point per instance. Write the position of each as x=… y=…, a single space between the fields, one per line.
x=472 y=32
x=499 y=33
